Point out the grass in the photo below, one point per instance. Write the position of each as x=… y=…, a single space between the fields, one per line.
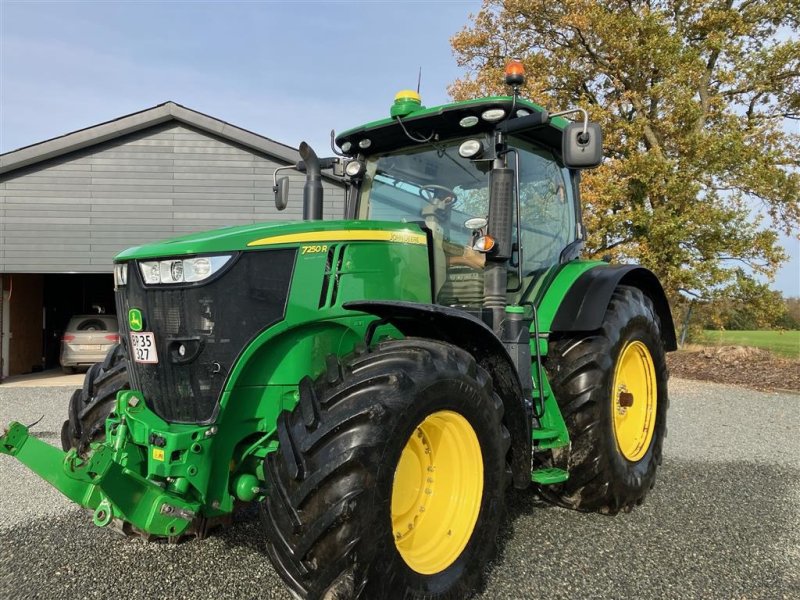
x=784 y=343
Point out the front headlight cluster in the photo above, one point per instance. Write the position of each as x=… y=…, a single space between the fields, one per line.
x=185 y=270
x=120 y=274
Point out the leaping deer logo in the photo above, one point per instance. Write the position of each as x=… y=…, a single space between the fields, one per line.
x=135 y=319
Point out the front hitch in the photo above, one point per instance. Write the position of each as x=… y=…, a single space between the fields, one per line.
x=100 y=483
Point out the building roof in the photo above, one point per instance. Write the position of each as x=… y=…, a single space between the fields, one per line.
x=137 y=121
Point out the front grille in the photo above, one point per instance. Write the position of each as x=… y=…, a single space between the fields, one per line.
x=200 y=330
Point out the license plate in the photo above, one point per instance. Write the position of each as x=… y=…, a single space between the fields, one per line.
x=143 y=345
x=88 y=347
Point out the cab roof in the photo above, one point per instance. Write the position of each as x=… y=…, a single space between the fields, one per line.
x=445 y=122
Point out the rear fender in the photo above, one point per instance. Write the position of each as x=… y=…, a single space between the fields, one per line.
x=585 y=303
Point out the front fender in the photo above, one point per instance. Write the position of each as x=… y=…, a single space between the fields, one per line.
x=473 y=335
x=284 y=355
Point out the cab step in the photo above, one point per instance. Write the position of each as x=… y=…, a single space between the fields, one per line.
x=549 y=476
x=544 y=434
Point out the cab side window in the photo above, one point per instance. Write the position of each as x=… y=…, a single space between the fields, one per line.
x=547 y=209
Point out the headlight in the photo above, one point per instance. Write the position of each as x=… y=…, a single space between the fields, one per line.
x=354 y=168
x=186 y=270
x=120 y=275
x=470 y=149
x=493 y=114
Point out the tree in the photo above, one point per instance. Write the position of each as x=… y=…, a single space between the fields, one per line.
x=693 y=97
x=792 y=312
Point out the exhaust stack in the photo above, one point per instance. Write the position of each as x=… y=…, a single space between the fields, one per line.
x=312 y=191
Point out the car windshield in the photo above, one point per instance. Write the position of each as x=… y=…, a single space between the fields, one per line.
x=432 y=184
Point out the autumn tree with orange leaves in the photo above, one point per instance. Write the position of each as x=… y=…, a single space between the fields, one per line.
x=697 y=99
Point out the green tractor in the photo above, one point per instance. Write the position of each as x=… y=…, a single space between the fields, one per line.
x=377 y=383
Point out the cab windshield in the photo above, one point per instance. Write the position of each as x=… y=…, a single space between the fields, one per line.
x=434 y=186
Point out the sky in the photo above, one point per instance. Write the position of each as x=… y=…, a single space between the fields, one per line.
x=290 y=71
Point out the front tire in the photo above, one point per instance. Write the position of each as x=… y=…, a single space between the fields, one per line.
x=90 y=405
x=390 y=477
x=611 y=387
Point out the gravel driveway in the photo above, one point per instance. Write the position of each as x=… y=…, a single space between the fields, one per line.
x=722 y=522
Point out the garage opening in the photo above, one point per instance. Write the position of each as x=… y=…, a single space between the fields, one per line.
x=66 y=296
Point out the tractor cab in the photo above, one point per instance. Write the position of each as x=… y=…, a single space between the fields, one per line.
x=494 y=182
x=445 y=186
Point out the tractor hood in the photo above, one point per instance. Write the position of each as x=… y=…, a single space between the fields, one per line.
x=282 y=233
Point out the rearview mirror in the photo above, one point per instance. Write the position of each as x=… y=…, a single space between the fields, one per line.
x=281 y=189
x=582 y=150
x=475 y=223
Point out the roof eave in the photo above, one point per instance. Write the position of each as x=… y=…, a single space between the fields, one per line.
x=132 y=123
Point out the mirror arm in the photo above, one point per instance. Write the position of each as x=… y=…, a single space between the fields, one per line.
x=573 y=111
x=275 y=176
x=334 y=149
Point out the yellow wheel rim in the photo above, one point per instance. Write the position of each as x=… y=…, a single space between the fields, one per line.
x=437 y=491
x=634 y=399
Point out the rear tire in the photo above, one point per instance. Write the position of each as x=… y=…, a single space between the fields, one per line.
x=90 y=406
x=336 y=503
x=611 y=468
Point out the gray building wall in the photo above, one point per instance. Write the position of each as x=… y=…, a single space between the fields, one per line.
x=75 y=212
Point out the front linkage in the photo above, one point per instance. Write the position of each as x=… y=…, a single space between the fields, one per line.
x=148 y=477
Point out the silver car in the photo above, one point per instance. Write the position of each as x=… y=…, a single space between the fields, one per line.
x=87 y=340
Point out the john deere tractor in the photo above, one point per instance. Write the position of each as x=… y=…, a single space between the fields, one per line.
x=377 y=383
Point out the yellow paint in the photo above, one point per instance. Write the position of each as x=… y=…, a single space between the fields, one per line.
x=407 y=95
x=313 y=249
x=343 y=235
x=634 y=425
x=158 y=454
x=437 y=492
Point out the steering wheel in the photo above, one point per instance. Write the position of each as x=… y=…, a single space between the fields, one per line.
x=428 y=193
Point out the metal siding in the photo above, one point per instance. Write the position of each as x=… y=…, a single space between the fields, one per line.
x=76 y=212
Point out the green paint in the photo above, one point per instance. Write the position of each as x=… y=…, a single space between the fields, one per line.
x=230 y=239
x=548 y=298
x=552 y=432
x=549 y=476
x=548 y=295
x=135 y=320
x=404 y=106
